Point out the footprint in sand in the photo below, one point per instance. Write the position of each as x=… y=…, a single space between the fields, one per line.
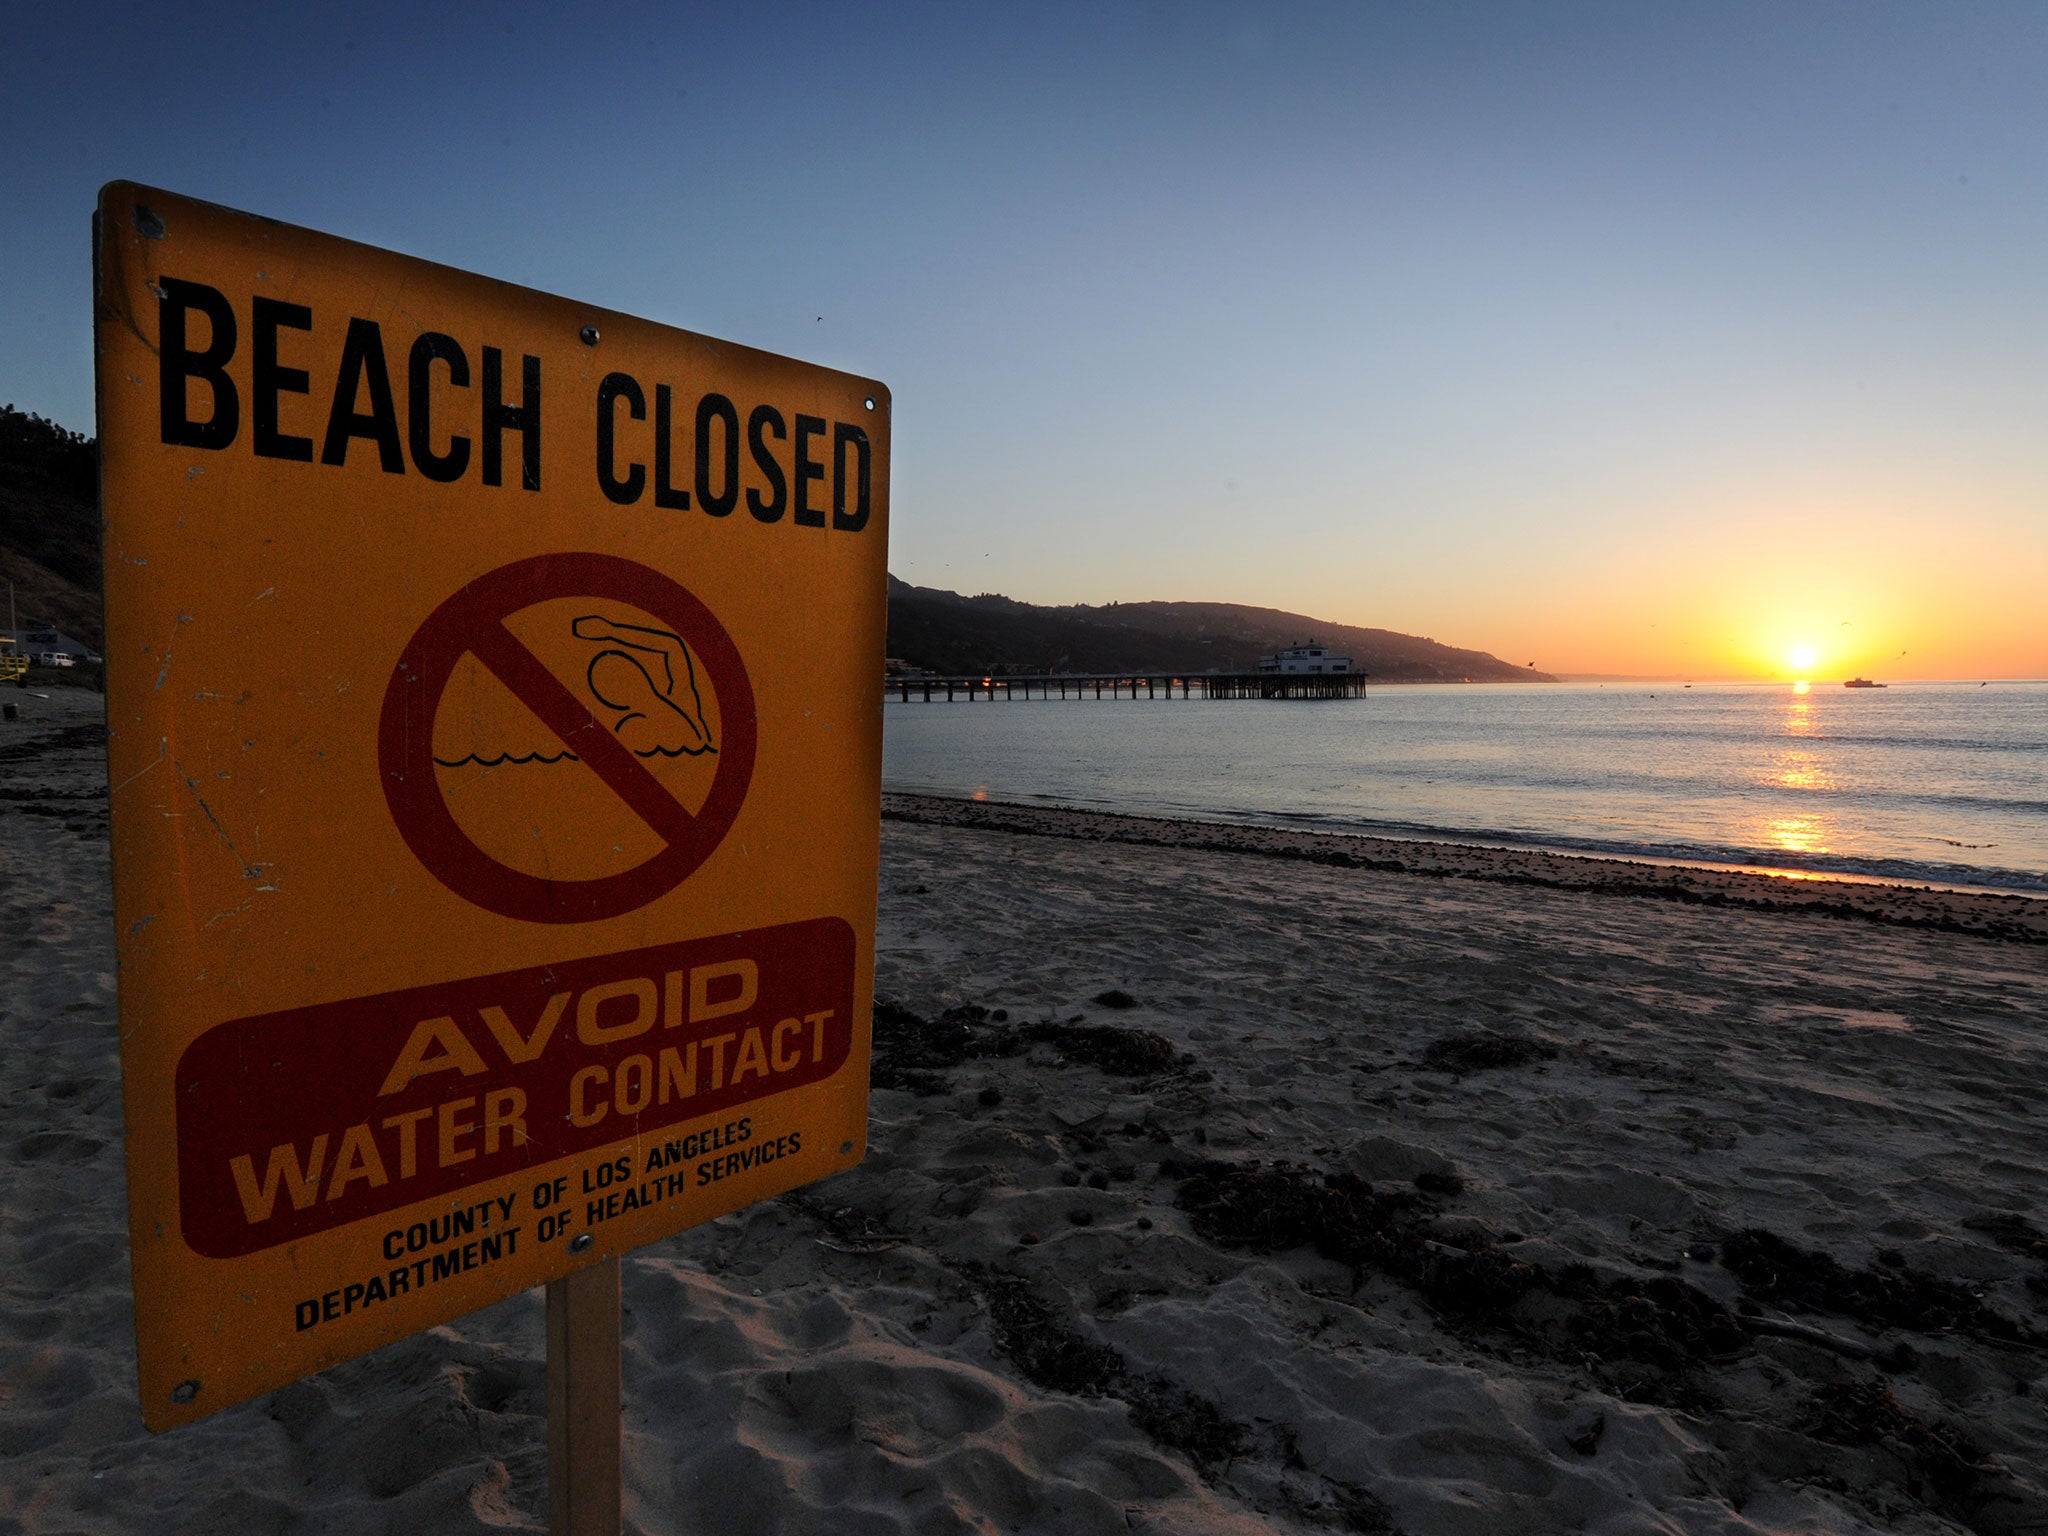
x=648 y=681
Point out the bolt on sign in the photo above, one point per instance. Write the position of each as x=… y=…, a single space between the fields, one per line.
x=495 y=747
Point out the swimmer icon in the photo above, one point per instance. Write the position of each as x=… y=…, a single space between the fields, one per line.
x=647 y=680
x=617 y=697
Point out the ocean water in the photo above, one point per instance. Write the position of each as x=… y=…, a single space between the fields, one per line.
x=1927 y=783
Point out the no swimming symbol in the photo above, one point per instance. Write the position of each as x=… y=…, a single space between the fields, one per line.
x=650 y=687
x=646 y=683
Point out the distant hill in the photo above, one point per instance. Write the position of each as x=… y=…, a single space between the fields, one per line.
x=50 y=526
x=944 y=632
x=50 y=550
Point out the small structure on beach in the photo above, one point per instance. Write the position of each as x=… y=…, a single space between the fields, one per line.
x=49 y=646
x=1307 y=657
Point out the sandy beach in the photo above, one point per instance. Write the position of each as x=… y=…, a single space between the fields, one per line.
x=1221 y=1180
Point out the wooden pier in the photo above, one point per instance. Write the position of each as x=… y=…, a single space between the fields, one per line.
x=1128 y=685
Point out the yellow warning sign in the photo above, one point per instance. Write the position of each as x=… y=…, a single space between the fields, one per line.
x=495 y=750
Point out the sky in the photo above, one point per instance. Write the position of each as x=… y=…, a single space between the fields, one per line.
x=1639 y=339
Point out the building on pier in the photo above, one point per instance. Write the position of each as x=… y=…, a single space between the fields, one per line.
x=1306 y=657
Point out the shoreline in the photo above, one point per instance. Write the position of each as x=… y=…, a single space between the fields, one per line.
x=2010 y=917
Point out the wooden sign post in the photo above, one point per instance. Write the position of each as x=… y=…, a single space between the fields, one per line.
x=583 y=1402
x=495 y=753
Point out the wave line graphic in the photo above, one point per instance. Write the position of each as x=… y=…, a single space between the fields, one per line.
x=505 y=757
x=707 y=750
x=517 y=760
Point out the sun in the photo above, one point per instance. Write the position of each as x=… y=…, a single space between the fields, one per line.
x=1803 y=657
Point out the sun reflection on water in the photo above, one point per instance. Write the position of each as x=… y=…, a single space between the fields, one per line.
x=1800 y=770
x=1797 y=768
x=1796 y=834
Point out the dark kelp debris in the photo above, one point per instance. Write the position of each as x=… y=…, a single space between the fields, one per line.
x=2014 y=1233
x=1053 y=1355
x=1344 y=1507
x=1866 y=1413
x=1108 y=1047
x=1477 y=1049
x=1662 y=1320
x=1785 y=1275
x=910 y=1050
x=2011 y=1231
x=908 y=1046
x=70 y=738
x=1271 y=1209
x=1571 y=1313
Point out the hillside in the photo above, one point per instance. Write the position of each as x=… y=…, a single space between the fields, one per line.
x=50 y=550
x=945 y=632
x=50 y=525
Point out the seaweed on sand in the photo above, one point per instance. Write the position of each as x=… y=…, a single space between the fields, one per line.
x=1477 y=1049
x=2011 y=1231
x=1270 y=1209
x=915 y=1041
x=1107 y=1047
x=1661 y=1321
x=907 y=1046
x=1866 y=1413
x=2014 y=1233
x=1053 y=1354
x=1784 y=1274
x=910 y=1050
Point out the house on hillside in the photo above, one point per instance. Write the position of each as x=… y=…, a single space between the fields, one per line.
x=1308 y=657
x=47 y=641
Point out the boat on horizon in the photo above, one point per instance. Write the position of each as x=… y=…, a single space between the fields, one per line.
x=1863 y=682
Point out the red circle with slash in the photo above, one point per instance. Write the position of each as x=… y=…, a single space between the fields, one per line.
x=473 y=622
